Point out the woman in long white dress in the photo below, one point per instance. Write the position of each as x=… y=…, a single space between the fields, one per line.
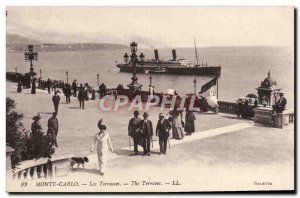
x=104 y=144
x=177 y=131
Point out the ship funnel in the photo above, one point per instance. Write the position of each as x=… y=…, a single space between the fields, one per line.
x=174 y=55
x=156 y=55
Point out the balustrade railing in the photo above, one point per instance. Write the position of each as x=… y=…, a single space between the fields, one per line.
x=227 y=107
x=42 y=168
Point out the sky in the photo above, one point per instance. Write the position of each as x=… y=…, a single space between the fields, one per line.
x=154 y=27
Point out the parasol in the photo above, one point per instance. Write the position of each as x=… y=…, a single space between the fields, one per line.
x=251 y=96
x=171 y=92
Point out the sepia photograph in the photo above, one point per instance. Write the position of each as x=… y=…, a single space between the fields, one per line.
x=128 y=99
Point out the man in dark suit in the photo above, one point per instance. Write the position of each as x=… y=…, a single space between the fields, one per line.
x=53 y=128
x=55 y=100
x=280 y=104
x=133 y=130
x=81 y=97
x=49 y=83
x=147 y=132
x=162 y=131
x=74 y=86
x=68 y=93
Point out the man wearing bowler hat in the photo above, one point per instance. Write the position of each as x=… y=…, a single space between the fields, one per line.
x=162 y=131
x=133 y=130
x=146 y=129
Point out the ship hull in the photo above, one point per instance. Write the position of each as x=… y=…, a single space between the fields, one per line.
x=211 y=70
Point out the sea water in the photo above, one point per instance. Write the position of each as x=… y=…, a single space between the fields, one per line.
x=243 y=69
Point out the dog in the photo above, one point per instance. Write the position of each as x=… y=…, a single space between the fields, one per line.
x=78 y=161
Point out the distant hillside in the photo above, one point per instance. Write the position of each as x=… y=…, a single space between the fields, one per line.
x=15 y=39
x=16 y=42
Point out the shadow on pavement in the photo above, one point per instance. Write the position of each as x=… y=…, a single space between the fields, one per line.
x=84 y=170
x=131 y=153
x=74 y=107
x=232 y=117
x=46 y=113
x=123 y=152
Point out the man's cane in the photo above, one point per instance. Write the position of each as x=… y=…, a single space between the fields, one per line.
x=152 y=141
x=169 y=139
x=129 y=143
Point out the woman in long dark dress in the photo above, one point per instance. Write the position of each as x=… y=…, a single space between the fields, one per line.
x=189 y=126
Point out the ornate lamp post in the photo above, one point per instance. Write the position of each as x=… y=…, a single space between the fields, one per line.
x=150 y=79
x=40 y=73
x=151 y=88
x=134 y=85
x=126 y=58
x=98 y=79
x=16 y=69
x=31 y=56
x=195 y=85
x=142 y=56
x=67 y=74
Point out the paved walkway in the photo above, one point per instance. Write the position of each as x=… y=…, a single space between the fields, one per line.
x=93 y=160
x=223 y=149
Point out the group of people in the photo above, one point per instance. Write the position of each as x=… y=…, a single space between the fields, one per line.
x=141 y=130
x=245 y=108
x=37 y=134
x=81 y=92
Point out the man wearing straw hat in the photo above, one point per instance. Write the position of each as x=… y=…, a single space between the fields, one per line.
x=133 y=131
x=147 y=133
x=162 y=131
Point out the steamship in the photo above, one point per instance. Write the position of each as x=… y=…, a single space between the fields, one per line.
x=173 y=66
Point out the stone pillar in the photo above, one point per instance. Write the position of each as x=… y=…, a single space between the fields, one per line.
x=9 y=152
x=60 y=166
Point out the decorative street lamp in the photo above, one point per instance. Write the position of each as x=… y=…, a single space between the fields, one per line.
x=41 y=73
x=67 y=76
x=126 y=58
x=98 y=79
x=31 y=56
x=16 y=69
x=134 y=85
x=195 y=85
x=142 y=56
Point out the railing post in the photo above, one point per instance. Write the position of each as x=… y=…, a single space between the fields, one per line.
x=34 y=173
x=42 y=175
x=49 y=169
x=22 y=177
x=27 y=174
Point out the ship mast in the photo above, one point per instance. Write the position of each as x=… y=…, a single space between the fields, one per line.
x=196 y=51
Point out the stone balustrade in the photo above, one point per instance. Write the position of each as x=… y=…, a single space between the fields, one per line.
x=227 y=107
x=39 y=168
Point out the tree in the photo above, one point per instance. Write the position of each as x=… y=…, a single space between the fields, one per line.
x=16 y=134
